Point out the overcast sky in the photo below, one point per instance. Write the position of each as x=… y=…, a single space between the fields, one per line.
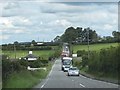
x=42 y=21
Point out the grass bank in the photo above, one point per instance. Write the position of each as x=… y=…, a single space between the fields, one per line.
x=102 y=64
x=26 y=79
x=107 y=77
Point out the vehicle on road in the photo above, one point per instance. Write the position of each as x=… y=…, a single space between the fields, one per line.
x=66 y=63
x=73 y=71
x=66 y=50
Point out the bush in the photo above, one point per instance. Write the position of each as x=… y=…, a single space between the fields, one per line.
x=16 y=66
x=6 y=69
x=106 y=61
x=80 y=53
x=23 y=62
x=35 y=64
x=11 y=66
x=84 y=60
x=77 y=63
x=44 y=61
x=93 y=61
x=38 y=63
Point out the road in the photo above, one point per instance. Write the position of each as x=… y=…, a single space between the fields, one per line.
x=59 y=79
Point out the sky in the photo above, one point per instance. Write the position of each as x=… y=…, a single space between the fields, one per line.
x=24 y=21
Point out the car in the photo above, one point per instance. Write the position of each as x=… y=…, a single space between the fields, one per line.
x=66 y=68
x=73 y=71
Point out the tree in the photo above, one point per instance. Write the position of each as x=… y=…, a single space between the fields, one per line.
x=116 y=36
x=69 y=35
x=33 y=42
x=57 y=39
x=72 y=35
x=16 y=43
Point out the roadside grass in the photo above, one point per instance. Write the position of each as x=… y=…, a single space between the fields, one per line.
x=26 y=79
x=93 y=47
x=108 y=77
x=21 y=53
x=104 y=75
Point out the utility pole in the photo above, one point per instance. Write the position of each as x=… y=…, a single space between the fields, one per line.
x=88 y=40
x=15 y=50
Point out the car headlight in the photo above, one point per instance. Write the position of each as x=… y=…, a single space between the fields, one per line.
x=63 y=66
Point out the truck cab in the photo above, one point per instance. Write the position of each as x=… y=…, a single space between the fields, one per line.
x=66 y=63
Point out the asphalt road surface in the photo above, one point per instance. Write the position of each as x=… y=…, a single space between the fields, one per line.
x=59 y=79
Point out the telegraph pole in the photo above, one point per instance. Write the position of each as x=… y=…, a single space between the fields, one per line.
x=15 y=50
x=88 y=40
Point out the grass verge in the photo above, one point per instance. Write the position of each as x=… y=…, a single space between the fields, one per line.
x=26 y=79
x=107 y=77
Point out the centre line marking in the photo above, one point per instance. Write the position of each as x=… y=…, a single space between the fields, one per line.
x=82 y=85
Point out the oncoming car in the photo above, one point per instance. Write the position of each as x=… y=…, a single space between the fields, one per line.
x=73 y=71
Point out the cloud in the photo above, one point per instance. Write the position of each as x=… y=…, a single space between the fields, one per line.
x=60 y=23
x=11 y=5
x=108 y=27
x=7 y=23
x=48 y=19
x=4 y=37
x=19 y=31
x=21 y=21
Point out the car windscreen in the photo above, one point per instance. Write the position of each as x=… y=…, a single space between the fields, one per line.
x=73 y=69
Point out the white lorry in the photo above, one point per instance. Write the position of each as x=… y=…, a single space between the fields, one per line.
x=66 y=63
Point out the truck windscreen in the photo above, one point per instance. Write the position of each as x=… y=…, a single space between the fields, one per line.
x=67 y=62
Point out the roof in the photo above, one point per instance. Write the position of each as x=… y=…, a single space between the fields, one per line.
x=30 y=56
x=67 y=58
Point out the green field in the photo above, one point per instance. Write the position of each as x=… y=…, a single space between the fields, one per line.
x=93 y=47
x=43 y=53
x=46 y=53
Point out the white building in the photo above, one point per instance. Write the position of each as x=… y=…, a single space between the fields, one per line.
x=30 y=57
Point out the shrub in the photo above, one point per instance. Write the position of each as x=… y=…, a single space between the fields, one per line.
x=84 y=60
x=106 y=61
x=81 y=53
x=35 y=64
x=6 y=69
x=77 y=63
x=44 y=61
x=23 y=62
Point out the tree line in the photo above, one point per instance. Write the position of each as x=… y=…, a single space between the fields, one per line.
x=26 y=46
x=83 y=35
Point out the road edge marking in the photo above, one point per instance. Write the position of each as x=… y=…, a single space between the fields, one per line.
x=48 y=75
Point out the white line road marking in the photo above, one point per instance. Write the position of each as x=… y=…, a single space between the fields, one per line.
x=72 y=80
x=82 y=85
x=42 y=86
x=48 y=75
